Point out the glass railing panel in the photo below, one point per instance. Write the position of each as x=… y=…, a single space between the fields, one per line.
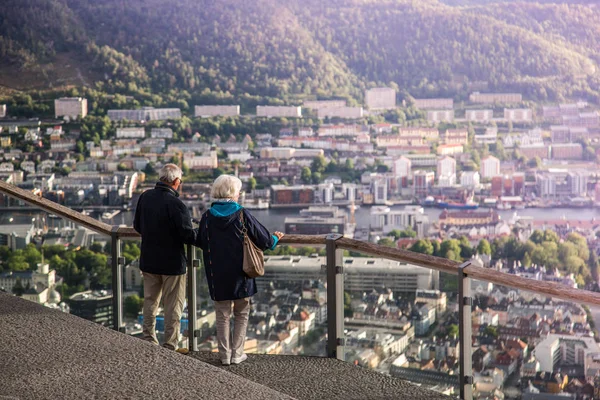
x=521 y=339
x=54 y=262
x=397 y=321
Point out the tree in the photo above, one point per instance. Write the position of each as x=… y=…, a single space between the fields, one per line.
x=18 y=288
x=306 y=175
x=318 y=164
x=386 y=242
x=484 y=247
x=133 y=305
x=149 y=169
x=453 y=330
x=491 y=330
x=422 y=246
x=451 y=249
x=252 y=183
x=217 y=172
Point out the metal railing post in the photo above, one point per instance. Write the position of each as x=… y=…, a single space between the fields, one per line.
x=465 y=302
x=117 y=280
x=192 y=264
x=335 y=299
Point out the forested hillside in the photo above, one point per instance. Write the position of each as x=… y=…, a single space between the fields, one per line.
x=193 y=51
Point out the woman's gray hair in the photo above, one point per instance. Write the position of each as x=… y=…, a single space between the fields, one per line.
x=169 y=173
x=226 y=187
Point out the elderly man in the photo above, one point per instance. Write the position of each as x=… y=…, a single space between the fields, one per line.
x=165 y=225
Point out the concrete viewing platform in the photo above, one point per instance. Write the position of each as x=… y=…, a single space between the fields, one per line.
x=47 y=354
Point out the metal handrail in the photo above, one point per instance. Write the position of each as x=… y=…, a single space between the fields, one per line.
x=422 y=260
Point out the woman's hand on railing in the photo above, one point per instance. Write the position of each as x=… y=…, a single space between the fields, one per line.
x=278 y=234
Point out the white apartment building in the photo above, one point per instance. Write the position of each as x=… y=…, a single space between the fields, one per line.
x=340 y=112
x=556 y=350
x=360 y=273
x=446 y=166
x=434 y=104
x=489 y=137
x=437 y=116
x=386 y=219
x=339 y=130
x=2 y=110
x=518 y=114
x=401 y=167
x=381 y=98
x=71 y=107
x=470 y=179
x=289 y=152
x=278 y=111
x=490 y=98
x=479 y=115
x=145 y=114
x=446 y=171
x=161 y=133
x=321 y=104
x=216 y=111
x=131 y=133
x=490 y=167
x=205 y=161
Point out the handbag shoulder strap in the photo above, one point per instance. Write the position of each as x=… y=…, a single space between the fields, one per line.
x=244 y=229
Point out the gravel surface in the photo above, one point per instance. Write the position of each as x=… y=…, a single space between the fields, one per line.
x=309 y=378
x=47 y=354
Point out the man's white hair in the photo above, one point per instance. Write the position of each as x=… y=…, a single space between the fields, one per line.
x=169 y=173
x=226 y=187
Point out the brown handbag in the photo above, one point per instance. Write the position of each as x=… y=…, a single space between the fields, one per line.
x=254 y=261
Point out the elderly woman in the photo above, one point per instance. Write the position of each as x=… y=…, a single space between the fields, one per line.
x=220 y=237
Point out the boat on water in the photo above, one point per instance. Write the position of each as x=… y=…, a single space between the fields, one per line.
x=503 y=206
x=457 y=206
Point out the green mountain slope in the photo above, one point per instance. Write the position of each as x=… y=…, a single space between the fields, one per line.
x=281 y=51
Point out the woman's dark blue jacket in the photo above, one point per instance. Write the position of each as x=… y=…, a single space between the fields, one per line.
x=220 y=238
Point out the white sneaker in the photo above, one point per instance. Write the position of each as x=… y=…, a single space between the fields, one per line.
x=239 y=360
x=225 y=361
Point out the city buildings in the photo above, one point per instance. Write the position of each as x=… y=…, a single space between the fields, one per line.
x=290 y=196
x=479 y=115
x=435 y=104
x=385 y=219
x=145 y=114
x=446 y=171
x=491 y=98
x=95 y=306
x=70 y=107
x=161 y=133
x=437 y=116
x=360 y=273
x=422 y=182
x=566 y=151
x=470 y=179
x=278 y=111
x=131 y=133
x=216 y=111
x=380 y=98
x=518 y=114
x=561 y=350
x=321 y=104
x=490 y=167
x=340 y=112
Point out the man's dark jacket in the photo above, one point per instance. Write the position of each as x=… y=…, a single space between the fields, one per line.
x=165 y=225
x=220 y=238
